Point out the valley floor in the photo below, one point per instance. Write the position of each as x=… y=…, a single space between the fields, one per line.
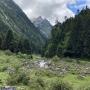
x=26 y=73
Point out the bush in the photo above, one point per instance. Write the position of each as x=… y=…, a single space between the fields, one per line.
x=40 y=82
x=20 y=55
x=88 y=88
x=8 y=52
x=56 y=58
x=60 y=86
x=20 y=78
x=24 y=56
x=84 y=88
x=81 y=77
x=4 y=68
x=0 y=81
x=23 y=78
x=37 y=84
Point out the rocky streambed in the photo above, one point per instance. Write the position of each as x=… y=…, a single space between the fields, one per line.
x=60 y=67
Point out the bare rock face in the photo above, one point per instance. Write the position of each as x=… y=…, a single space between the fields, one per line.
x=44 y=26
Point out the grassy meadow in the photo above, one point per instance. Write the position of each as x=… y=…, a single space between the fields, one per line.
x=23 y=72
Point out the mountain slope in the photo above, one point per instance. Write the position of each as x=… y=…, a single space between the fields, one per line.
x=13 y=17
x=44 y=26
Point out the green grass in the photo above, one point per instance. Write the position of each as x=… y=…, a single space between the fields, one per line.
x=77 y=83
x=43 y=77
x=3 y=78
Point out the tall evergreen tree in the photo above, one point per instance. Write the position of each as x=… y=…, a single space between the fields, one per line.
x=72 y=37
x=24 y=46
x=9 y=41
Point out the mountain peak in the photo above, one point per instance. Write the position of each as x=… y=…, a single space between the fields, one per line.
x=38 y=20
x=40 y=17
x=43 y=25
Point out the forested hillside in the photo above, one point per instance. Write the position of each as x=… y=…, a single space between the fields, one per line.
x=71 y=38
x=14 y=21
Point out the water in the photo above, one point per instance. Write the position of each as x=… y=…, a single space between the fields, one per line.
x=42 y=64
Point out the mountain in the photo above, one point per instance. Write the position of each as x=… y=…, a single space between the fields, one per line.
x=72 y=37
x=44 y=26
x=15 y=19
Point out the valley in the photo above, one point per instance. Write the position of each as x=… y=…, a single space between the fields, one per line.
x=75 y=73
x=35 y=55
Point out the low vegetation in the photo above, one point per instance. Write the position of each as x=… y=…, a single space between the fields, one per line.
x=23 y=72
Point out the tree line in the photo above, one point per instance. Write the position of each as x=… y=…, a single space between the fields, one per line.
x=70 y=38
x=8 y=41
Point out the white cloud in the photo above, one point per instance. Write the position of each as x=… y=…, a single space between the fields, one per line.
x=50 y=9
x=19 y=2
x=88 y=3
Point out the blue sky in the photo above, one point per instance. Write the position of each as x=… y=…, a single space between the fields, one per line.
x=78 y=5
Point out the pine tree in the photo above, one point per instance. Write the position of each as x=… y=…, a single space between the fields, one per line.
x=24 y=46
x=72 y=37
x=0 y=42
x=9 y=41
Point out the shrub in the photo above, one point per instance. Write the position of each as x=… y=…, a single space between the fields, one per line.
x=56 y=58
x=8 y=52
x=40 y=82
x=84 y=88
x=88 y=88
x=24 y=56
x=4 y=68
x=0 y=81
x=20 y=55
x=20 y=78
x=81 y=77
x=23 y=78
x=60 y=86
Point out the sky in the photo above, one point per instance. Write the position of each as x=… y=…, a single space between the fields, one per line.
x=52 y=9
